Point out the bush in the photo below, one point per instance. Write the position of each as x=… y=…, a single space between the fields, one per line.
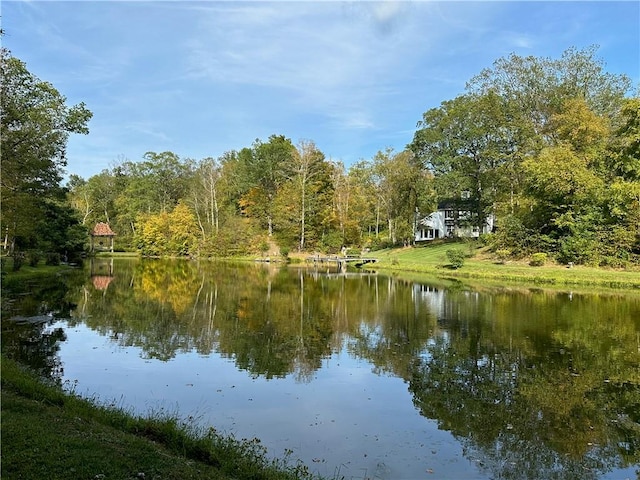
x=538 y=259
x=34 y=258
x=485 y=239
x=18 y=260
x=331 y=242
x=379 y=243
x=53 y=259
x=511 y=234
x=580 y=250
x=503 y=254
x=456 y=257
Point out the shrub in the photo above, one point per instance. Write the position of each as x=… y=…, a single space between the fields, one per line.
x=580 y=250
x=331 y=242
x=472 y=245
x=53 y=259
x=34 y=258
x=538 y=259
x=503 y=254
x=456 y=257
x=379 y=243
x=511 y=234
x=18 y=260
x=485 y=239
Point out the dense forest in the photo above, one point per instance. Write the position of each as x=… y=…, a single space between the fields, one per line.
x=549 y=147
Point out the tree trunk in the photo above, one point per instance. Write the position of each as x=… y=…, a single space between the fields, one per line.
x=195 y=200
x=302 y=220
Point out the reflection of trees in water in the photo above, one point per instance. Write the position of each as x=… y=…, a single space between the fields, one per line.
x=35 y=345
x=38 y=302
x=523 y=404
x=534 y=384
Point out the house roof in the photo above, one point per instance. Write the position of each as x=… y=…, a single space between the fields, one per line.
x=453 y=203
x=102 y=230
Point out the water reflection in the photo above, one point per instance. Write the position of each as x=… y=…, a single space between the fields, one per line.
x=533 y=384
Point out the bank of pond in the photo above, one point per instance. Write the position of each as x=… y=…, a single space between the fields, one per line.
x=340 y=374
x=52 y=433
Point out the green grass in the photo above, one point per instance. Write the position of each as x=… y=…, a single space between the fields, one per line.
x=432 y=259
x=48 y=433
x=117 y=254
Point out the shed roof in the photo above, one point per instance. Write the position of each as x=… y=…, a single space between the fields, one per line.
x=101 y=282
x=102 y=230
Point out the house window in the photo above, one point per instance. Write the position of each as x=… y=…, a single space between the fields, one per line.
x=448 y=214
x=429 y=233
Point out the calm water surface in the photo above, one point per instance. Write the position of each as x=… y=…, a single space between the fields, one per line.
x=361 y=375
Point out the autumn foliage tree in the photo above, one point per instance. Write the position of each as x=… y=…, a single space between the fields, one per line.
x=168 y=234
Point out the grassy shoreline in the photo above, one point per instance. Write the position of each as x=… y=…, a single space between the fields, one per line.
x=50 y=433
x=432 y=260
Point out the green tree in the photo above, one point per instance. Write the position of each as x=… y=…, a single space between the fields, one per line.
x=36 y=124
x=79 y=197
x=58 y=230
x=102 y=191
x=263 y=167
x=624 y=156
x=468 y=145
x=307 y=182
x=363 y=209
x=538 y=86
x=206 y=194
x=353 y=204
x=575 y=198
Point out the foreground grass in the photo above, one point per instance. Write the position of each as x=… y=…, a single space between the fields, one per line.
x=47 y=433
x=432 y=260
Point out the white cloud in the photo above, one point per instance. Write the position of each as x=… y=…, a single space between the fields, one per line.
x=208 y=76
x=318 y=56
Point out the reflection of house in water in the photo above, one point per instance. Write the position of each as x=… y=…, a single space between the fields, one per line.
x=446 y=305
x=101 y=273
x=431 y=296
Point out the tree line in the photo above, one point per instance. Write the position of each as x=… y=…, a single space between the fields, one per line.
x=549 y=147
x=238 y=203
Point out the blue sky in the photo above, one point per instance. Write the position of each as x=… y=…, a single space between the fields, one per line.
x=202 y=78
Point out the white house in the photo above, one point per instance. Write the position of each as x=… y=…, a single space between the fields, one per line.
x=449 y=221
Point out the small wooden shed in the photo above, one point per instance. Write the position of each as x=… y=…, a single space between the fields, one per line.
x=102 y=237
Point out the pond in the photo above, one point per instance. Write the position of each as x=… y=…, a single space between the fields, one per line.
x=360 y=375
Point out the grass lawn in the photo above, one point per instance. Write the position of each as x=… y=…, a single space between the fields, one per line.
x=50 y=434
x=480 y=264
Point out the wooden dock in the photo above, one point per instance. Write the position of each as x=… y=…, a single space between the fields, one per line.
x=356 y=261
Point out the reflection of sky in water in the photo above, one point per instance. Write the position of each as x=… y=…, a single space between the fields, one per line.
x=346 y=420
